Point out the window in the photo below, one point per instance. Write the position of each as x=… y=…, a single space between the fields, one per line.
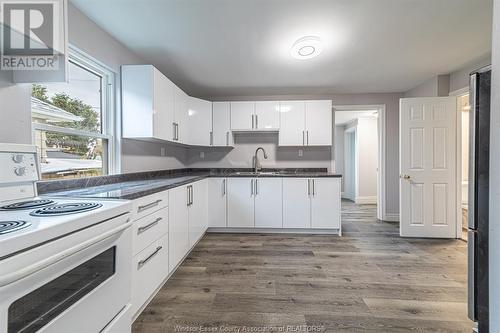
x=74 y=123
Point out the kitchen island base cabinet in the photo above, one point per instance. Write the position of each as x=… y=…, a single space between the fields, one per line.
x=178 y=226
x=240 y=202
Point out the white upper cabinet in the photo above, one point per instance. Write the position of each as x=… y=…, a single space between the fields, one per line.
x=255 y=116
x=319 y=123
x=267 y=116
x=147 y=103
x=242 y=116
x=180 y=124
x=306 y=123
x=221 y=124
x=292 y=123
x=200 y=122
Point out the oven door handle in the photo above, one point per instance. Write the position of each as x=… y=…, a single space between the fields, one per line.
x=29 y=270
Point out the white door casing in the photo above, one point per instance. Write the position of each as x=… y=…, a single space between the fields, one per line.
x=428 y=167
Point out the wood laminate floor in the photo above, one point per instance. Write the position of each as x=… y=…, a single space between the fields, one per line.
x=369 y=280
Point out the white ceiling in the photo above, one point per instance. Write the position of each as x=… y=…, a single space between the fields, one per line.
x=236 y=48
x=344 y=117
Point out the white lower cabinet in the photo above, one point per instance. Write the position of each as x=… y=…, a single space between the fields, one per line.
x=240 y=203
x=268 y=202
x=178 y=228
x=325 y=203
x=149 y=269
x=198 y=211
x=217 y=189
x=296 y=203
x=311 y=203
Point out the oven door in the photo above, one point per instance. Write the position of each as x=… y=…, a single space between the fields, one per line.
x=79 y=289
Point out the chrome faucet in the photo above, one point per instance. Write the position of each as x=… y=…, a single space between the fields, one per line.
x=256 y=165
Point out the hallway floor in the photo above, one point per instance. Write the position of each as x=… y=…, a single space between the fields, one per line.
x=368 y=280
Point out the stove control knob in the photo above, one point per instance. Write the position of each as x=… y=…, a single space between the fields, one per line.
x=18 y=158
x=20 y=171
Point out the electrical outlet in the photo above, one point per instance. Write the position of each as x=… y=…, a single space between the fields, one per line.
x=301 y=152
x=163 y=151
x=202 y=154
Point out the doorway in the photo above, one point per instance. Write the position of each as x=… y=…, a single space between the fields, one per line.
x=463 y=109
x=357 y=154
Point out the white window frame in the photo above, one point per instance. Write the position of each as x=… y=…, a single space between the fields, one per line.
x=109 y=119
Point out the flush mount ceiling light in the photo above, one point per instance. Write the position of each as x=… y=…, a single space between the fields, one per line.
x=306 y=48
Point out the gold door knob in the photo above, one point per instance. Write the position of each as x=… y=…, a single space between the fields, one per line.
x=405 y=177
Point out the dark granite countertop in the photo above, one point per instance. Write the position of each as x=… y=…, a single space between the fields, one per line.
x=136 y=185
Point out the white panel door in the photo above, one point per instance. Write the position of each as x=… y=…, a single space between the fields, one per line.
x=325 y=203
x=296 y=203
x=163 y=106
x=319 y=123
x=178 y=229
x=181 y=115
x=240 y=202
x=198 y=211
x=292 y=123
x=200 y=121
x=427 y=167
x=267 y=116
x=217 y=189
x=221 y=124
x=242 y=116
x=268 y=202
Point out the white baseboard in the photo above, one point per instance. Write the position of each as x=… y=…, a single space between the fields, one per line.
x=391 y=217
x=366 y=200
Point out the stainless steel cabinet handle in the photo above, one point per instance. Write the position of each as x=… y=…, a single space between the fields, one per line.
x=188 y=195
x=256 y=121
x=251 y=187
x=227 y=138
x=174 y=131
x=308 y=187
x=223 y=187
x=149 y=205
x=211 y=138
x=256 y=187
x=177 y=126
x=303 y=138
x=192 y=194
x=307 y=136
x=253 y=122
x=314 y=187
x=140 y=230
x=148 y=258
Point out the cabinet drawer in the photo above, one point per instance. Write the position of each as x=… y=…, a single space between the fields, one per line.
x=149 y=228
x=147 y=205
x=149 y=269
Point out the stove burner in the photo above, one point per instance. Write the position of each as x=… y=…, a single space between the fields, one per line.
x=65 y=209
x=11 y=226
x=30 y=204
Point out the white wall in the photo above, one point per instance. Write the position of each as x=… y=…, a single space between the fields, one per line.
x=495 y=177
x=367 y=159
x=460 y=78
x=339 y=151
x=245 y=145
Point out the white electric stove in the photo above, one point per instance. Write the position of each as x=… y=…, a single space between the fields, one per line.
x=64 y=262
